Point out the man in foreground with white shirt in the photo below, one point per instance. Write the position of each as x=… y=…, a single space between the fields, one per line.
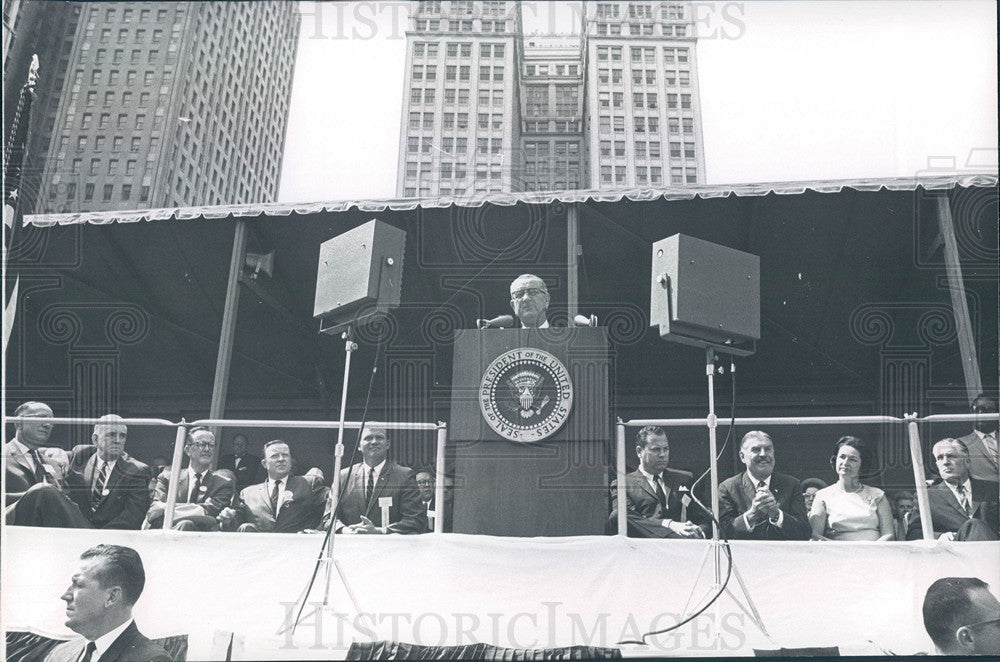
x=377 y=495
x=962 y=508
x=99 y=605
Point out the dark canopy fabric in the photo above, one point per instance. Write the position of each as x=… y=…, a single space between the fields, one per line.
x=856 y=308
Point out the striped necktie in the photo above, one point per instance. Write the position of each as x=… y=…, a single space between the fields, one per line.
x=963 y=499
x=102 y=479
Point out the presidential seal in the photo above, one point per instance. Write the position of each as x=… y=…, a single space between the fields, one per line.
x=526 y=395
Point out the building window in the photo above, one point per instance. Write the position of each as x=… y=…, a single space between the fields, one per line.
x=620 y=148
x=108 y=190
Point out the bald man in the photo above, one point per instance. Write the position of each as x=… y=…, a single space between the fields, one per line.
x=529 y=297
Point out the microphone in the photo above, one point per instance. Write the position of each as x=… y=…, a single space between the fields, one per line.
x=501 y=322
x=583 y=320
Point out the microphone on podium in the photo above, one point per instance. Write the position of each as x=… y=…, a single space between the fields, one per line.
x=501 y=322
x=583 y=320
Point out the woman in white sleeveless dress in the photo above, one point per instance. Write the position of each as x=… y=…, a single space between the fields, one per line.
x=849 y=510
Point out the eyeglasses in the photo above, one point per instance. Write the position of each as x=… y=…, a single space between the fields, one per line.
x=425 y=482
x=202 y=444
x=992 y=621
x=527 y=291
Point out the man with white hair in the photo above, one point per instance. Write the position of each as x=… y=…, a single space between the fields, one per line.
x=110 y=488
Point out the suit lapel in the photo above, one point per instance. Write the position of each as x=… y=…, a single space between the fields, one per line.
x=182 y=487
x=120 y=645
x=949 y=498
x=749 y=489
x=18 y=458
x=641 y=481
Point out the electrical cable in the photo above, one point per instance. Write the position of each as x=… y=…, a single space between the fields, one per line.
x=724 y=540
x=342 y=485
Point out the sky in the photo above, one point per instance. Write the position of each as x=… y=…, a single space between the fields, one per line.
x=789 y=91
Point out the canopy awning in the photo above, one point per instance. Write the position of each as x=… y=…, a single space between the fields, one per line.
x=983 y=178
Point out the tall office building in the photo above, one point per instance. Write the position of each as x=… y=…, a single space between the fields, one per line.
x=615 y=106
x=643 y=111
x=460 y=131
x=169 y=104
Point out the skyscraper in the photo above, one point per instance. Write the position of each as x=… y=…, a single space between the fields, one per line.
x=613 y=106
x=169 y=104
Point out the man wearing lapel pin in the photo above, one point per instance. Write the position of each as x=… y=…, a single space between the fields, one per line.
x=984 y=456
x=760 y=504
x=201 y=493
x=656 y=502
x=378 y=495
x=962 y=508
x=282 y=503
x=110 y=488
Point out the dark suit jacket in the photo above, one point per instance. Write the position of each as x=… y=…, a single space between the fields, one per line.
x=737 y=493
x=217 y=492
x=304 y=511
x=982 y=465
x=127 y=501
x=948 y=516
x=130 y=646
x=644 y=512
x=250 y=471
x=406 y=514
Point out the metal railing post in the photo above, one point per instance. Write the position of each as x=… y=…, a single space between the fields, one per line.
x=919 y=477
x=442 y=439
x=620 y=474
x=175 y=475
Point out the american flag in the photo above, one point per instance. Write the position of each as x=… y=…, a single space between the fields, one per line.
x=13 y=162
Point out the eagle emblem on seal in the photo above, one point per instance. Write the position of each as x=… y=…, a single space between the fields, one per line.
x=526 y=395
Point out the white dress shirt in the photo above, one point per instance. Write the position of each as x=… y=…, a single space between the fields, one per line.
x=97 y=472
x=543 y=325
x=377 y=470
x=104 y=642
x=781 y=515
x=968 y=492
x=192 y=477
x=281 y=492
x=989 y=441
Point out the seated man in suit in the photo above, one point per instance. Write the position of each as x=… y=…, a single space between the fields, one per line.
x=962 y=617
x=246 y=467
x=201 y=494
x=428 y=497
x=110 y=488
x=282 y=503
x=760 y=504
x=655 y=504
x=99 y=604
x=962 y=508
x=36 y=491
x=984 y=456
x=529 y=297
x=376 y=486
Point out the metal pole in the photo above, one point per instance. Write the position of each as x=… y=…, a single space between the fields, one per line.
x=442 y=439
x=572 y=267
x=712 y=442
x=959 y=304
x=920 y=478
x=620 y=473
x=338 y=453
x=226 y=336
x=175 y=475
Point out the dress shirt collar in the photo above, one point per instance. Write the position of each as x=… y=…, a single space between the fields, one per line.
x=281 y=492
x=755 y=482
x=97 y=468
x=543 y=325
x=104 y=642
x=192 y=477
x=650 y=478
x=968 y=490
x=377 y=469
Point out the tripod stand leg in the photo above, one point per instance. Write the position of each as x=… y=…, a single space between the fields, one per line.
x=755 y=615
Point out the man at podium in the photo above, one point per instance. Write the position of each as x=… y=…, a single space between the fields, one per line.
x=529 y=297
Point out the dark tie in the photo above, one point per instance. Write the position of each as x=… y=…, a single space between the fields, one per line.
x=40 y=475
x=102 y=477
x=963 y=499
x=274 y=496
x=88 y=652
x=193 y=496
x=370 y=487
x=661 y=496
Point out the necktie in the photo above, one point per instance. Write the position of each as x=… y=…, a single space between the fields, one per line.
x=274 y=496
x=88 y=652
x=963 y=499
x=370 y=486
x=102 y=478
x=661 y=496
x=40 y=475
x=195 y=489
x=761 y=484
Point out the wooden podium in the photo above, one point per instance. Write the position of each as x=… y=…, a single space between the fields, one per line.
x=521 y=380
